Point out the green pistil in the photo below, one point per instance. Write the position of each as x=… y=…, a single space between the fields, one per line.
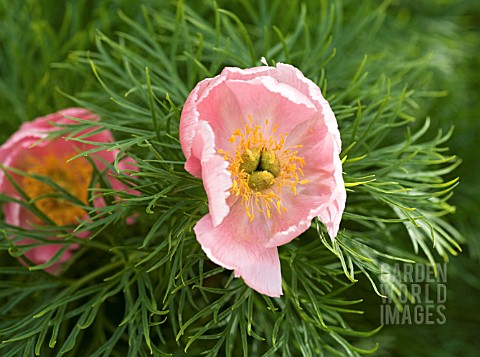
x=261 y=180
x=251 y=160
x=269 y=162
x=262 y=166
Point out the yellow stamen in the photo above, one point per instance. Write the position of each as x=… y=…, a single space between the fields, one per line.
x=74 y=177
x=261 y=166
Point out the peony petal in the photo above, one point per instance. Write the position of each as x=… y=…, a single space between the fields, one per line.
x=41 y=255
x=248 y=73
x=40 y=127
x=331 y=215
x=323 y=195
x=13 y=213
x=215 y=175
x=129 y=165
x=78 y=113
x=286 y=75
x=227 y=246
x=264 y=98
x=222 y=111
x=326 y=174
x=189 y=121
x=301 y=210
x=323 y=169
x=293 y=77
x=228 y=105
x=29 y=134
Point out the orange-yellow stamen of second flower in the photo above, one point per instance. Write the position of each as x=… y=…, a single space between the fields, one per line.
x=261 y=167
x=74 y=177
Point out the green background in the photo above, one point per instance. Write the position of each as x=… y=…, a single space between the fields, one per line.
x=38 y=40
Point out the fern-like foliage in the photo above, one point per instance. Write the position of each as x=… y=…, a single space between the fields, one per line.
x=147 y=288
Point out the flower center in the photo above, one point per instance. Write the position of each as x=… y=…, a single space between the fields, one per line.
x=261 y=166
x=73 y=177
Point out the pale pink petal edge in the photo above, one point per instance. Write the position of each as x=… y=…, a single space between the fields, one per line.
x=216 y=178
x=258 y=266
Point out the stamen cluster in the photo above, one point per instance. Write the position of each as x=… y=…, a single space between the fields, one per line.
x=74 y=177
x=261 y=166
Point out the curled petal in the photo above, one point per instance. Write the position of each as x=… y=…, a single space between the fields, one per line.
x=232 y=73
x=331 y=214
x=189 y=123
x=225 y=245
x=264 y=98
x=29 y=134
x=293 y=77
x=215 y=175
x=325 y=190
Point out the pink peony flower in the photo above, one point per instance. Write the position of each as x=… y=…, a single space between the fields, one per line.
x=266 y=145
x=48 y=158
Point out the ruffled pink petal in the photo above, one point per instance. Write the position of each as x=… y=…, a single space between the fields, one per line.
x=215 y=175
x=127 y=164
x=326 y=189
x=40 y=127
x=227 y=106
x=28 y=135
x=293 y=77
x=331 y=215
x=247 y=74
x=230 y=246
x=41 y=255
x=220 y=108
x=12 y=213
x=302 y=208
x=189 y=121
x=264 y=98
x=78 y=113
